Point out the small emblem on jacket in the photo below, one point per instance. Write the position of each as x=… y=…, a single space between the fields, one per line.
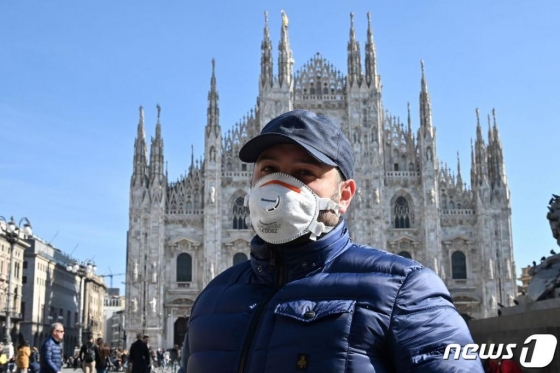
x=302 y=362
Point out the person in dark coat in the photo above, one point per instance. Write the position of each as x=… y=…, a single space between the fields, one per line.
x=102 y=356
x=51 y=351
x=34 y=361
x=139 y=356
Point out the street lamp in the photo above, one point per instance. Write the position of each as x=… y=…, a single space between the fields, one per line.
x=83 y=270
x=13 y=232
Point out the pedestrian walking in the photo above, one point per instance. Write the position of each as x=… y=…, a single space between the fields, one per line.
x=139 y=355
x=88 y=354
x=22 y=358
x=50 y=360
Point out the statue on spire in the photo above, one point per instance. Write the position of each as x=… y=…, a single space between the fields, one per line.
x=284 y=19
x=158 y=110
x=477 y=117
x=141 y=108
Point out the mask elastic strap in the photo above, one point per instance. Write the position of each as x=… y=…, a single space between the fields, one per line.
x=329 y=204
x=317 y=229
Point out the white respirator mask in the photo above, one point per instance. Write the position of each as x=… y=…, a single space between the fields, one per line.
x=282 y=208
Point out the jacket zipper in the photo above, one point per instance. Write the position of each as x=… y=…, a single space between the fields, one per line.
x=255 y=321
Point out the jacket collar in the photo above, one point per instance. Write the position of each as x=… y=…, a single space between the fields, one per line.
x=296 y=261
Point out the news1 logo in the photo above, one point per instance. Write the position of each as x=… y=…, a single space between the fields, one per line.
x=543 y=351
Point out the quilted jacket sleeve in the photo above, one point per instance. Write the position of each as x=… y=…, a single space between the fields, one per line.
x=424 y=321
x=51 y=356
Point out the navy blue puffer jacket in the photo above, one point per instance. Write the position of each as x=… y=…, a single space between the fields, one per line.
x=51 y=356
x=327 y=306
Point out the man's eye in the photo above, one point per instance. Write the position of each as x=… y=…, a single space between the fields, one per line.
x=267 y=169
x=306 y=173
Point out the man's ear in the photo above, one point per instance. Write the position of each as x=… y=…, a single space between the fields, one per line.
x=347 y=191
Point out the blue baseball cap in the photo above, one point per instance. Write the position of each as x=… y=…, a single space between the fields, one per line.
x=317 y=134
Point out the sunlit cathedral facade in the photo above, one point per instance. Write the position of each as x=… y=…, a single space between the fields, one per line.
x=183 y=233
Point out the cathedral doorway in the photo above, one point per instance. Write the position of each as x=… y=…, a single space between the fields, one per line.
x=179 y=330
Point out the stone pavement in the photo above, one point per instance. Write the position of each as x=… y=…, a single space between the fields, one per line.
x=157 y=370
x=70 y=370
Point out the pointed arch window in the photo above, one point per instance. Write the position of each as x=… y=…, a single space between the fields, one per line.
x=184 y=268
x=405 y=254
x=451 y=204
x=459 y=265
x=401 y=213
x=239 y=258
x=240 y=212
x=197 y=204
x=443 y=201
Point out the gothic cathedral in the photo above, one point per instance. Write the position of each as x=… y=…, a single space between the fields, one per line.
x=183 y=233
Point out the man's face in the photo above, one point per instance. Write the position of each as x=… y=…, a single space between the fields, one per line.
x=146 y=340
x=295 y=161
x=58 y=333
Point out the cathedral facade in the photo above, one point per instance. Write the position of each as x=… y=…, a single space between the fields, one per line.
x=183 y=233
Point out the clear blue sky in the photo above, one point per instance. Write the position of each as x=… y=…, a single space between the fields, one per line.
x=73 y=73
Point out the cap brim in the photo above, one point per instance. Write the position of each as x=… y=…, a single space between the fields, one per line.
x=253 y=148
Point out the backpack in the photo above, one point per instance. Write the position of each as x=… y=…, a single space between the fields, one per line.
x=90 y=354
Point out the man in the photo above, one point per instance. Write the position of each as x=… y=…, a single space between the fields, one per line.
x=159 y=356
x=139 y=355
x=51 y=352
x=174 y=357
x=101 y=355
x=76 y=356
x=88 y=355
x=310 y=299
x=34 y=366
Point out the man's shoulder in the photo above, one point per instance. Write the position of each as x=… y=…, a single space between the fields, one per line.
x=363 y=258
x=232 y=273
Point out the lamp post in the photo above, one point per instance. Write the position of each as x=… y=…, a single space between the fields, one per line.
x=13 y=233
x=82 y=270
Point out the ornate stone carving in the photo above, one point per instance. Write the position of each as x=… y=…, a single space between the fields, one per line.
x=181 y=301
x=376 y=196
x=134 y=305
x=153 y=304
x=553 y=216
x=432 y=196
x=546 y=275
x=154 y=272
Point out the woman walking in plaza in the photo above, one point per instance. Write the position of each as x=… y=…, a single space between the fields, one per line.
x=22 y=359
